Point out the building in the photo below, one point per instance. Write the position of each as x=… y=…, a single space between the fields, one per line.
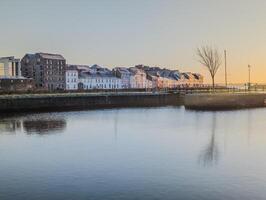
x=97 y=77
x=198 y=80
x=124 y=74
x=104 y=81
x=10 y=67
x=138 y=78
x=47 y=70
x=10 y=76
x=165 y=78
x=72 y=77
x=16 y=84
x=152 y=81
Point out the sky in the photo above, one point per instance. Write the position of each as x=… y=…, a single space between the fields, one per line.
x=162 y=33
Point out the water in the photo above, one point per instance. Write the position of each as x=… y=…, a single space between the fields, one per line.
x=143 y=153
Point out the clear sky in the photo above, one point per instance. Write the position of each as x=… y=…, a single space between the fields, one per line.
x=128 y=32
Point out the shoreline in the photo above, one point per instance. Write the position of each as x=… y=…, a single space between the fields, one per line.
x=85 y=101
x=229 y=101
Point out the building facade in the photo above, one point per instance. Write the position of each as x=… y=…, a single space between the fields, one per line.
x=138 y=78
x=16 y=84
x=47 y=70
x=124 y=74
x=72 y=77
x=83 y=77
x=10 y=67
x=96 y=81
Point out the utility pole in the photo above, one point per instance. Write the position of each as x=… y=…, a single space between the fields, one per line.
x=249 y=77
x=225 y=70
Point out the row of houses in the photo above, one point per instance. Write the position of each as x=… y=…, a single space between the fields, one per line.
x=88 y=78
x=51 y=72
x=138 y=77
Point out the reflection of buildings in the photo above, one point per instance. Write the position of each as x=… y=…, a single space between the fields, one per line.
x=42 y=126
x=10 y=126
x=210 y=154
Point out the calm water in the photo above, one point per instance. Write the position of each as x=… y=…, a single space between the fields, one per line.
x=154 y=153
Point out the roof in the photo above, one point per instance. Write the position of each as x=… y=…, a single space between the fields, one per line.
x=95 y=66
x=185 y=75
x=30 y=55
x=51 y=56
x=95 y=75
x=153 y=73
x=122 y=69
x=197 y=76
x=14 y=78
x=151 y=77
x=9 y=58
x=135 y=70
x=71 y=67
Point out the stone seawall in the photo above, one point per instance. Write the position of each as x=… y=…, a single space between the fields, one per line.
x=224 y=101
x=40 y=102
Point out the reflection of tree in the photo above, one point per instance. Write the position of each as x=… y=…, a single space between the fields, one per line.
x=43 y=126
x=210 y=153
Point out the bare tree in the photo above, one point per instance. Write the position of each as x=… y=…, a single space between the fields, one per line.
x=210 y=58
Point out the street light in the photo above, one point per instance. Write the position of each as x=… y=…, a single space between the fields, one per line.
x=249 y=77
x=225 y=68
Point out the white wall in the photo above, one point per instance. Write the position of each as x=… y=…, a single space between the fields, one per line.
x=71 y=80
x=94 y=82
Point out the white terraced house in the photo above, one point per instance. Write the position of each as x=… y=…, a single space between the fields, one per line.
x=124 y=74
x=72 y=78
x=103 y=81
x=138 y=78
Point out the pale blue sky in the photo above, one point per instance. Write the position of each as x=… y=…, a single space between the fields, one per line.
x=152 y=32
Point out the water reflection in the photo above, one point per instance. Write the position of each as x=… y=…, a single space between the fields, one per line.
x=10 y=126
x=210 y=154
x=157 y=153
x=39 y=126
x=116 y=123
x=43 y=126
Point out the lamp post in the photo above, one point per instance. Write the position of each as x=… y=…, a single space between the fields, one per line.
x=225 y=68
x=249 y=77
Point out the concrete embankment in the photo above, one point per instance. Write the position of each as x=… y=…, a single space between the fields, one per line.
x=224 y=101
x=51 y=102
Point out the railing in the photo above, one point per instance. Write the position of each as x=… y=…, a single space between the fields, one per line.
x=244 y=88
